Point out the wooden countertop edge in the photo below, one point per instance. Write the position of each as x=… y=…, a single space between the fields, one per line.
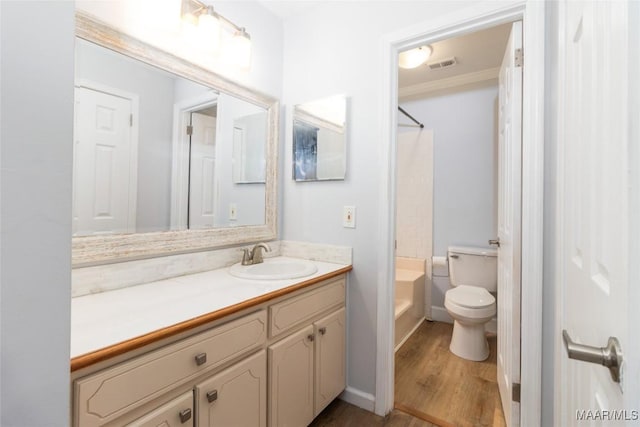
x=88 y=359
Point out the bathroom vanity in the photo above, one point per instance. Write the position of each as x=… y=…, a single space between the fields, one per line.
x=162 y=333
x=269 y=353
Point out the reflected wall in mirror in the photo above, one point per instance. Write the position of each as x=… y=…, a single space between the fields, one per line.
x=154 y=151
x=320 y=139
x=169 y=157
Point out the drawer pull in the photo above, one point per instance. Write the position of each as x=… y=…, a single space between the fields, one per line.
x=322 y=330
x=185 y=415
x=201 y=359
x=311 y=337
x=212 y=396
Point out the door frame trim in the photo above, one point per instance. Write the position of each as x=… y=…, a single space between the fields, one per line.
x=477 y=17
x=180 y=158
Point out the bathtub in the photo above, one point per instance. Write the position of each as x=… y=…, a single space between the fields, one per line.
x=409 y=296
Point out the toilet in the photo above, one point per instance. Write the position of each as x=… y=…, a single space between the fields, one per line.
x=473 y=273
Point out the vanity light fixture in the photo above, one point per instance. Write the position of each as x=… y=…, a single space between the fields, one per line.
x=241 y=48
x=210 y=25
x=414 y=57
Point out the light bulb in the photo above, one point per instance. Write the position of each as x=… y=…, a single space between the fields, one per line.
x=240 y=49
x=209 y=30
x=414 y=57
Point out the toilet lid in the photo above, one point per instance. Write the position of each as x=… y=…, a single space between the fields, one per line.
x=470 y=296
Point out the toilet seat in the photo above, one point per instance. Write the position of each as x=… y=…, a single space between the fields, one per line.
x=470 y=303
x=470 y=297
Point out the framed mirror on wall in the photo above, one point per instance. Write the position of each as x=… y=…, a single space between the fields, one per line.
x=320 y=139
x=168 y=157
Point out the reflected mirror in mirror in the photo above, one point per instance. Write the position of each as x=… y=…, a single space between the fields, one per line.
x=154 y=151
x=320 y=139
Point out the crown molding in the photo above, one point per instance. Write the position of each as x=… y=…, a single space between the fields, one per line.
x=463 y=79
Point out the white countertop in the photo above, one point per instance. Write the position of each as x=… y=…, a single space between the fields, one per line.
x=108 y=318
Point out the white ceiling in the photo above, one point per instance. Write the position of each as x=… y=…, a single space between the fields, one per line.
x=287 y=8
x=474 y=52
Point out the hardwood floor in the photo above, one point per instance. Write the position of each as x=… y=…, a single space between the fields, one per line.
x=343 y=414
x=432 y=380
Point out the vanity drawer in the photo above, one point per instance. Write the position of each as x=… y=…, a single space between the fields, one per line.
x=104 y=396
x=294 y=311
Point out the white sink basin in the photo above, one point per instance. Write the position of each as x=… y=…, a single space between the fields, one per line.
x=274 y=269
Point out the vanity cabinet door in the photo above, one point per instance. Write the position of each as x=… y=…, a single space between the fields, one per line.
x=330 y=358
x=176 y=413
x=291 y=380
x=236 y=396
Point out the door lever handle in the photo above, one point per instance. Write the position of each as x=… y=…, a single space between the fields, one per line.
x=609 y=356
x=495 y=242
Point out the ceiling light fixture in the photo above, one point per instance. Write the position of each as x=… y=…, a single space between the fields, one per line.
x=209 y=25
x=414 y=57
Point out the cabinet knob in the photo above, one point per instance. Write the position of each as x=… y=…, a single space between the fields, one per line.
x=212 y=396
x=201 y=359
x=322 y=330
x=185 y=415
x=311 y=337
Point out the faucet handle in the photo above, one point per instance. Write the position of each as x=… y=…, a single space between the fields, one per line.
x=247 y=257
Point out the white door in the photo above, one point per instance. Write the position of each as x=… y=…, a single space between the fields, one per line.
x=104 y=181
x=593 y=205
x=509 y=229
x=202 y=171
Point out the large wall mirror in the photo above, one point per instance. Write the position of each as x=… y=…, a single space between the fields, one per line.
x=320 y=139
x=168 y=157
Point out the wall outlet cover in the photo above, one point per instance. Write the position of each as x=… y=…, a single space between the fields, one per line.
x=233 y=212
x=349 y=217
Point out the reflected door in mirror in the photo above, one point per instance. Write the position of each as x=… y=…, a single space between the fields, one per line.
x=202 y=169
x=155 y=151
x=105 y=152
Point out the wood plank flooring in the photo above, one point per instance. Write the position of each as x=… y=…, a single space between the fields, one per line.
x=343 y=414
x=432 y=380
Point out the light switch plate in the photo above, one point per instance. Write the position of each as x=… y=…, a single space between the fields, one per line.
x=349 y=217
x=233 y=212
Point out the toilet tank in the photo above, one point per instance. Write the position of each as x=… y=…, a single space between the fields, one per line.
x=473 y=266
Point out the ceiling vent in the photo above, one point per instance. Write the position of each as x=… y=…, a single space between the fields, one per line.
x=444 y=63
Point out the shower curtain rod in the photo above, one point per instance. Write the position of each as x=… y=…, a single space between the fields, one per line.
x=411 y=117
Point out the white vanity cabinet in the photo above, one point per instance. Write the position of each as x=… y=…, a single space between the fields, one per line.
x=105 y=396
x=236 y=396
x=307 y=367
x=283 y=355
x=175 y=413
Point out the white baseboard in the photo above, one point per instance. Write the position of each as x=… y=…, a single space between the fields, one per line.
x=440 y=314
x=359 y=398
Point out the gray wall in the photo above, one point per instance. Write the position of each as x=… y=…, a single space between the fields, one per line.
x=465 y=173
x=37 y=39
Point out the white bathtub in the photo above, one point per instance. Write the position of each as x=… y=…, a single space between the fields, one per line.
x=410 y=284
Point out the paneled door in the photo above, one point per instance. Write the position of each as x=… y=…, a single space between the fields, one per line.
x=509 y=223
x=593 y=211
x=105 y=164
x=202 y=186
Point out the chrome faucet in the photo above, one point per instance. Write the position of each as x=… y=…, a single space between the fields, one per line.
x=254 y=256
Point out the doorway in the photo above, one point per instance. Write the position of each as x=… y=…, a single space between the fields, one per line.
x=474 y=19
x=468 y=145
